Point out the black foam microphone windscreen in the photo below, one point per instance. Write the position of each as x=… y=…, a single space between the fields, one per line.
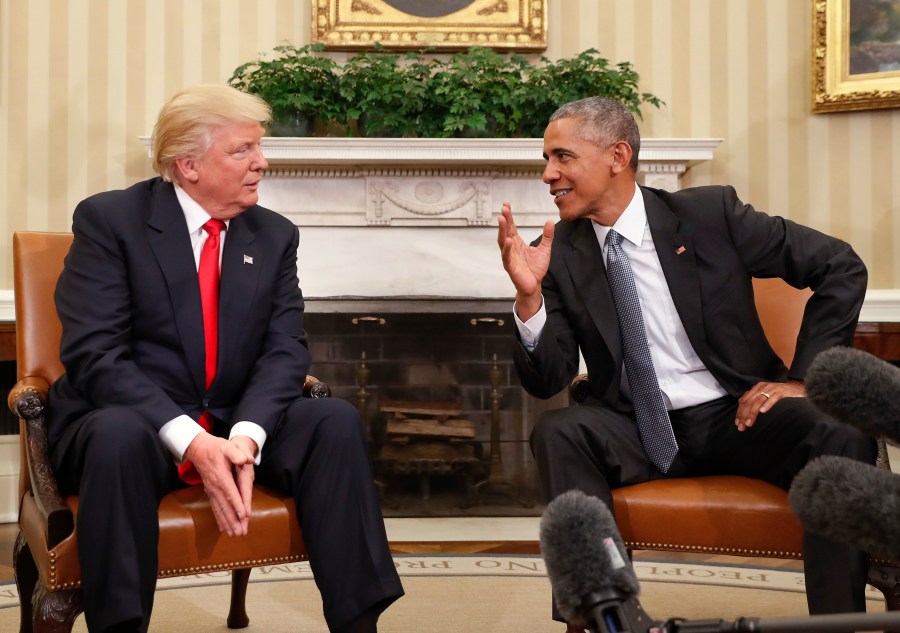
x=850 y=502
x=586 y=560
x=857 y=388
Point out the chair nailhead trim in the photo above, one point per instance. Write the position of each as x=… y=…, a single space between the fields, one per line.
x=189 y=571
x=170 y=573
x=705 y=549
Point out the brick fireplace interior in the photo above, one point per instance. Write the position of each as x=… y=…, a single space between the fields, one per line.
x=434 y=358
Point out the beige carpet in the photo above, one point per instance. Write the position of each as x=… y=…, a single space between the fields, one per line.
x=462 y=594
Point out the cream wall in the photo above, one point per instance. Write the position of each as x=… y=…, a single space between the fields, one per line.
x=80 y=80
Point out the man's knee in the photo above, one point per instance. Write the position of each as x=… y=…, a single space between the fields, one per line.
x=552 y=428
x=327 y=419
x=117 y=433
x=845 y=440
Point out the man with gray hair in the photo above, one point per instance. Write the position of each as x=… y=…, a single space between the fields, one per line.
x=654 y=288
x=185 y=358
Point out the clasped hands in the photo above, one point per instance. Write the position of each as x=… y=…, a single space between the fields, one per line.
x=226 y=470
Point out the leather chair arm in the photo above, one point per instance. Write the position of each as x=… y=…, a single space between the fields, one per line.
x=315 y=388
x=28 y=400
x=579 y=389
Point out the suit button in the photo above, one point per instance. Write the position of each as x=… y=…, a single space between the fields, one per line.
x=206 y=404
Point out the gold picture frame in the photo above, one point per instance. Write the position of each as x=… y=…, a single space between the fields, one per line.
x=853 y=57
x=505 y=25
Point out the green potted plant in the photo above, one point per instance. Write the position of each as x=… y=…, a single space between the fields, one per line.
x=475 y=93
x=299 y=85
x=553 y=83
x=483 y=92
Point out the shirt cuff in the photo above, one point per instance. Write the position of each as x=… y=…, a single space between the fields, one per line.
x=178 y=433
x=530 y=330
x=252 y=430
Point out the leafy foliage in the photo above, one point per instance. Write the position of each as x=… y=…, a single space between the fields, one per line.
x=552 y=84
x=478 y=92
x=296 y=83
x=383 y=95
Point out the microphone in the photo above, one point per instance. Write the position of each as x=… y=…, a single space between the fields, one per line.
x=850 y=502
x=857 y=388
x=595 y=586
x=593 y=582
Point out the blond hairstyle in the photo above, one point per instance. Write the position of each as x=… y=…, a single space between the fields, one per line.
x=185 y=124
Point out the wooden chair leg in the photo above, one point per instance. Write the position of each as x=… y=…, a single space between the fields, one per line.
x=55 y=611
x=237 y=613
x=886 y=578
x=26 y=574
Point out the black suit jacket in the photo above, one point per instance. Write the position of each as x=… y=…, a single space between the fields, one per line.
x=725 y=244
x=129 y=302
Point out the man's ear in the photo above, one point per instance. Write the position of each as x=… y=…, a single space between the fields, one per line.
x=187 y=169
x=621 y=156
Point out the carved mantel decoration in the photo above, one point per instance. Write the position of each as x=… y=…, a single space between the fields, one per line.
x=445 y=24
x=416 y=218
x=434 y=182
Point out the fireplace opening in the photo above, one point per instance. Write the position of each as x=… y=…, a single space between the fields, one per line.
x=447 y=419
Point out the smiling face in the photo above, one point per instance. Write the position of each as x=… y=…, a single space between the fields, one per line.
x=224 y=180
x=587 y=179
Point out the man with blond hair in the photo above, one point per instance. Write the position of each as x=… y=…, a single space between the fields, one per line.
x=185 y=357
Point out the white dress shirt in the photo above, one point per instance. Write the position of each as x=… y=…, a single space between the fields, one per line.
x=683 y=378
x=178 y=433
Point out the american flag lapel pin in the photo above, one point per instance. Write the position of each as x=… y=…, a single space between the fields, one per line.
x=248 y=260
x=678 y=251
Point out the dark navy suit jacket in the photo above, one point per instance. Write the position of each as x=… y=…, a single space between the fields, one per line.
x=710 y=246
x=129 y=302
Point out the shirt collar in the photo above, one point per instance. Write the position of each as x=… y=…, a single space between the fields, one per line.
x=195 y=215
x=630 y=224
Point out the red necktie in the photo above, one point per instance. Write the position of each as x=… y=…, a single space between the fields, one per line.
x=208 y=276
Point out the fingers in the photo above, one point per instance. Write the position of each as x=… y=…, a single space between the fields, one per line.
x=507 y=227
x=215 y=459
x=761 y=398
x=236 y=454
x=547 y=237
x=244 y=476
x=227 y=506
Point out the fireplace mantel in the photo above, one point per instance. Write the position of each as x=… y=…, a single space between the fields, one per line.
x=676 y=153
x=415 y=218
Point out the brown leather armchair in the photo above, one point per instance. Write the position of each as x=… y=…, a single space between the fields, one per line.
x=45 y=559
x=727 y=514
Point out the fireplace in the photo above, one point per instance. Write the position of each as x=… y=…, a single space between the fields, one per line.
x=447 y=364
x=404 y=230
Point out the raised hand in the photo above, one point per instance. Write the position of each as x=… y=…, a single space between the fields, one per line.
x=526 y=265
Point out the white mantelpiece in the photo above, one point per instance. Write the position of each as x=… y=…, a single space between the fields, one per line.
x=435 y=182
x=416 y=218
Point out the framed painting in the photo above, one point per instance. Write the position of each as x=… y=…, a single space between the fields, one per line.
x=855 y=55
x=504 y=25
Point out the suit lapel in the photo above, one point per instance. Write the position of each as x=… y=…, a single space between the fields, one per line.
x=585 y=264
x=241 y=262
x=677 y=258
x=171 y=244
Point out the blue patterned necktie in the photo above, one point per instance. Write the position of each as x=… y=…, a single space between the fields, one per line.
x=649 y=408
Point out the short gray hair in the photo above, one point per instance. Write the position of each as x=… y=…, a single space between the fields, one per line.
x=606 y=121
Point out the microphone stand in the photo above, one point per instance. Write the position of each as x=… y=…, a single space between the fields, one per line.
x=828 y=623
